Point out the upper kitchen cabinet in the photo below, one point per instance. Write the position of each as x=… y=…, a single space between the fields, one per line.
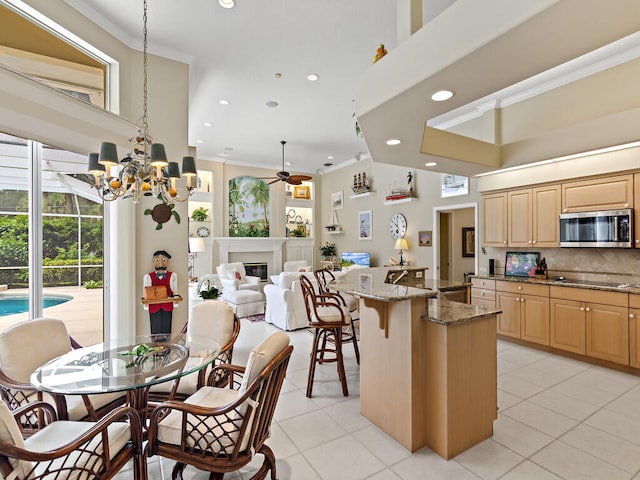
x=531 y=217
x=608 y=193
x=494 y=220
x=636 y=196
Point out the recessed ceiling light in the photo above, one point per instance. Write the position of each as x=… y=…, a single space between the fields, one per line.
x=312 y=77
x=442 y=95
x=430 y=164
x=227 y=3
x=394 y=141
x=330 y=157
x=208 y=124
x=223 y=101
x=271 y=104
x=288 y=164
x=199 y=141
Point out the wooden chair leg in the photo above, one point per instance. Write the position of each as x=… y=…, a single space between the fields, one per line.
x=341 y=373
x=354 y=339
x=314 y=359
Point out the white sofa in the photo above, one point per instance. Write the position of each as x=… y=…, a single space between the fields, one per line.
x=296 y=266
x=285 y=304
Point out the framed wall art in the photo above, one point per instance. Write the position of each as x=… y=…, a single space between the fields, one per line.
x=453 y=185
x=301 y=191
x=424 y=238
x=364 y=225
x=469 y=242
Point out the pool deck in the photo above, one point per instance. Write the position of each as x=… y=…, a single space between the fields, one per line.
x=82 y=314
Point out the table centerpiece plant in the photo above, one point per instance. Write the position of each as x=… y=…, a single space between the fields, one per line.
x=328 y=250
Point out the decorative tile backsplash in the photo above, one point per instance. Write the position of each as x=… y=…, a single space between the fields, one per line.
x=611 y=265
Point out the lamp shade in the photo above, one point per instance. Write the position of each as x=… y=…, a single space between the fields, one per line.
x=402 y=244
x=108 y=154
x=189 y=166
x=196 y=245
x=173 y=170
x=158 y=156
x=94 y=166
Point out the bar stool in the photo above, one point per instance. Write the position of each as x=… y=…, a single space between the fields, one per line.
x=327 y=317
x=324 y=277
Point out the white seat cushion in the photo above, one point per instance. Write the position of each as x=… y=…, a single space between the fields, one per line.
x=332 y=314
x=10 y=433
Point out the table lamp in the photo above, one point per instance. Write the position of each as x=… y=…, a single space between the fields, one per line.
x=196 y=245
x=401 y=244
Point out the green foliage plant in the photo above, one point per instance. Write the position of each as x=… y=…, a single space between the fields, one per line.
x=328 y=249
x=210 y=293
x=200 y=214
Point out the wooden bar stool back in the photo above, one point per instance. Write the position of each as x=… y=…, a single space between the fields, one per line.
x=324 y=277
x=327 y=317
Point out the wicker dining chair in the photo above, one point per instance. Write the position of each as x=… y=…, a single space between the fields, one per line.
x=220 y=430
x=214 y=319
x=70 y=450
x=328 y=316
x=27 y=345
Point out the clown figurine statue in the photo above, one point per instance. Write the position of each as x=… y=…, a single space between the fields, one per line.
x=160 y=314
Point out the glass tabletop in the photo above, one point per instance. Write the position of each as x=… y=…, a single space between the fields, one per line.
x=125 y=364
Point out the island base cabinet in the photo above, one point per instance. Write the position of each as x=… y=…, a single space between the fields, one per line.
x=608 y=333
x=424 y=383
x=568 y=329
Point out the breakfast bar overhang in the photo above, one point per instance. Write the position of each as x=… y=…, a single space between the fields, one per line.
x=428 y=365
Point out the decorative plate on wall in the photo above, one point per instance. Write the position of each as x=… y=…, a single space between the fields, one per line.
x=203 y=232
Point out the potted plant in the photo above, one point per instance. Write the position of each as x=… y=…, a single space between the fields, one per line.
x=327 y=249
x=200 y=214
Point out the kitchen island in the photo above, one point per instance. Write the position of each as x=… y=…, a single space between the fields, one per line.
x=428 y=365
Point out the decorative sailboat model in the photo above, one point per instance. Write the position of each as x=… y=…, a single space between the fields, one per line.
x=333 y=226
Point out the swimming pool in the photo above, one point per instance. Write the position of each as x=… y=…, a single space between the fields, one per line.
x=11 y=304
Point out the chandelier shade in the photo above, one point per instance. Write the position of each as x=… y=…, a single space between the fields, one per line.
x=146 y=170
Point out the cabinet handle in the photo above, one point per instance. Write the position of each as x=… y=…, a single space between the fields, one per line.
x=631 y=315
x=638 y=240
x=505 y=242
x=564 y=211
x=626 y=205
x=582 y=309
x=534 y=242
x=519 y=287
x=588 y=309
x=482 y=294
x=522 y=299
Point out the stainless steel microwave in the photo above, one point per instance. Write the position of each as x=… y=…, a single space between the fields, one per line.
x=607 y=228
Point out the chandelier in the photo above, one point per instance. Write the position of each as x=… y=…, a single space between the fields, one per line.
x=145 y=171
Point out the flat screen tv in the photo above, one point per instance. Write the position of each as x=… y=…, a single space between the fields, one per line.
x=359 y=259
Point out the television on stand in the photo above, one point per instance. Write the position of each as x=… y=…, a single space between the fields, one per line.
x=356 y=260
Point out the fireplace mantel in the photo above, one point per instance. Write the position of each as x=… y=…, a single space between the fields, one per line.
x=273 y=245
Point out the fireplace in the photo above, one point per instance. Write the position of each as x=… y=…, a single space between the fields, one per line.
x=257 y=269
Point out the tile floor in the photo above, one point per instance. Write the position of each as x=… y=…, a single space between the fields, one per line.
x=558 y=419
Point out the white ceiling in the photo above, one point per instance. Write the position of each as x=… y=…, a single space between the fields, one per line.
x=235 y=54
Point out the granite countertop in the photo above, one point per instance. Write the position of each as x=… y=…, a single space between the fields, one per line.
x=570 y=283
x=369 y=283
x=445 y=312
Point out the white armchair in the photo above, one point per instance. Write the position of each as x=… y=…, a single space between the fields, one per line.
x=234 y=277
x=285 y=303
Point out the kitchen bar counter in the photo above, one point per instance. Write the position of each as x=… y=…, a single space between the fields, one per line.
x=428 y=369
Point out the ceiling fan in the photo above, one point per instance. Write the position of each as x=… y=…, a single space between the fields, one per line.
x=284 y=176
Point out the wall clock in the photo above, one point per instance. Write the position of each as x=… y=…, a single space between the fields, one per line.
x=397 y=225
x=203 y=232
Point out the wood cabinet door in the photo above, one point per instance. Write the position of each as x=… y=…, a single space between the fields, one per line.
x=535 y=319
x=634 y=337
x=545 y=217
x=494 y=220
x=598 y=194
x=608 y=332
x=636 y=210
x=519 y=218
x=509 y=319
x=567 y=320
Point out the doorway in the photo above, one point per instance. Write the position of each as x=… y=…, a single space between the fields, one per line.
x=451 y=257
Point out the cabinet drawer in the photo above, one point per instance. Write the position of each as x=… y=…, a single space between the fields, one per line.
x=524 y=288
x=598 y=194
x=483 y=293
x=486 y=303
x=590 y=296
x=634 y=301
x=483 y=283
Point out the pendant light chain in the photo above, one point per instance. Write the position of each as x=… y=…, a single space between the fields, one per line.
x=145 y=123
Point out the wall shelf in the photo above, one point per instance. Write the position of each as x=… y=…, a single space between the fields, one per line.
x=335 y=232
x=362 y=195
x=400 y=200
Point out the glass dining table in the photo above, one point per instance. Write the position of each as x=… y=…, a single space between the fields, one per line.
x=129 y=365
